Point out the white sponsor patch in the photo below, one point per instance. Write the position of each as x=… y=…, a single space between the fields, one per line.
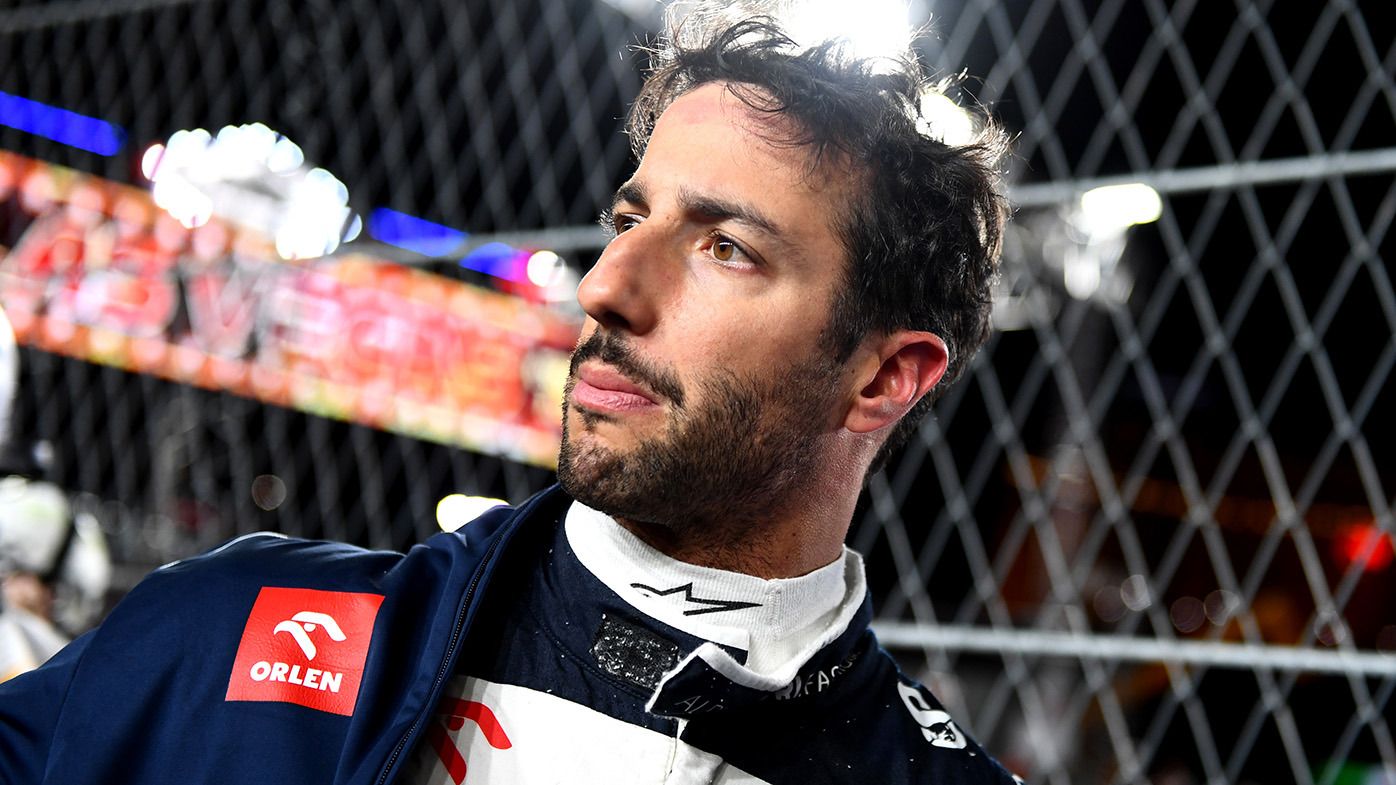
x=486 y=732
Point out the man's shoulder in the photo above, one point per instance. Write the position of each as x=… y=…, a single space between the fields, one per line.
x=855 y=719
x=262 y=556
x=915 y=729
x=269 y=556
x=230 y=576
x=188 y=623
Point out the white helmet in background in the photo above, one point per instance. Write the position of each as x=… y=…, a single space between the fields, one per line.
x=35 y=518
x=40 y=532
x=42 y=535
x=9 y=377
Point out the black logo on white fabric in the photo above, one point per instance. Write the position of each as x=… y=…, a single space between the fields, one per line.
x=712 y=606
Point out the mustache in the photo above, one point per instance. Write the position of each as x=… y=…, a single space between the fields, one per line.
x=614 y=351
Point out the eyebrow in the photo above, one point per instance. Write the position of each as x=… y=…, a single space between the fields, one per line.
x=710 y=208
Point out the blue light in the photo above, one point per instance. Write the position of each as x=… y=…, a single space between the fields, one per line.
x=497 y=259
x=432 y=239
x=60 y=125
x=412 y=233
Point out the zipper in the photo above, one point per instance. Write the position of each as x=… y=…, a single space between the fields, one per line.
x=450 y=653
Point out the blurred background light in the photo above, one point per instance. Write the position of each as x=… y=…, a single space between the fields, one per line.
x=257 y=178
x=356 y=227
x=61 y=125
x=1363 y=543
x=268 y=491
x=150 y=160
x=1134 y=591
x=872 y=28
x=1187 y=614
x=543 y=268
x=457 y=509
x=498 y=259
x=411 y=233
x=1221 y=605
x=315 y=216
x=1081 y=274
x=1114 y=208
x=943 y=119
x=1108 y=604
x=182 y=200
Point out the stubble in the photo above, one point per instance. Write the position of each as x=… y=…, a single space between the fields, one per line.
x=735 y=453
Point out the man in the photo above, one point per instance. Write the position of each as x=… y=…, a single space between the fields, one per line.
x=796 y=268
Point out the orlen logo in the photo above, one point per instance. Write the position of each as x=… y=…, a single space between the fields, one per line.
x=302 y=624
x=287 y=631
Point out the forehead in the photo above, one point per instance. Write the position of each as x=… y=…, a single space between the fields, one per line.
x=711 y=138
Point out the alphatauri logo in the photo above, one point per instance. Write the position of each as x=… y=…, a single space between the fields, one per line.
x=305 y=646
x=935 y=724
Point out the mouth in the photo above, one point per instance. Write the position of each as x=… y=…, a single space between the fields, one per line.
x=601 y=388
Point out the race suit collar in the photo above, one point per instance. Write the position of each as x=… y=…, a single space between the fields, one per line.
x=777 y=623
x=710 y=681
x=714 y=676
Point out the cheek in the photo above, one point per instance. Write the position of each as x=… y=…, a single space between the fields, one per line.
x=746 y=322
x=747 y=346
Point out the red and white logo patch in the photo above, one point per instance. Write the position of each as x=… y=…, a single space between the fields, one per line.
x=305 y=646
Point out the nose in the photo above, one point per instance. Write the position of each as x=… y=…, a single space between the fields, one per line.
x=621 y=290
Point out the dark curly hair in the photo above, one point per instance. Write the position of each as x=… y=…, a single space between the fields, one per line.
x=922 y=232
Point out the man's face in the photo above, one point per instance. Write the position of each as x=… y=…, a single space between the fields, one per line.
x=702 y=389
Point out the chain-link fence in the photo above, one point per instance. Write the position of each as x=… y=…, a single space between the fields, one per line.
x=1148 y=537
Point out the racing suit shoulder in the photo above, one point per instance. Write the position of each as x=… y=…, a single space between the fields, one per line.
x=30 y=705
x=850 y=716
x=152 y=695
x=262 y=555
x=178 y=610
x=921 y=728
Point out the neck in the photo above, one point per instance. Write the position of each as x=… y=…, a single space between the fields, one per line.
x=786 y=545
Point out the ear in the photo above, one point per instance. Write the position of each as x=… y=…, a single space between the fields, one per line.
x=904 y=366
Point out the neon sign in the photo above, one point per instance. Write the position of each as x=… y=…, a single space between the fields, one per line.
x=95 y=270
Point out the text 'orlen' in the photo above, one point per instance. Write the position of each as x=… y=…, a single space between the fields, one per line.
x=313 y=678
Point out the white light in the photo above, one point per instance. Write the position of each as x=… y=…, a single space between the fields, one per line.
x=285 y=156
x=1113 y=208
x=253 y=176
x=190 y=206
x=310 y=229
x=1134 y=591
x=314 y=218
x=543 y=268
x=1221 y=605
x=872 y=28
x=563 y=287
x=356 y=226
x=1081 y=275
x=150 y=162
x=457 y=509
x=943 y=119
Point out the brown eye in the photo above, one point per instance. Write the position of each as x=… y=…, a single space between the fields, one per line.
x=724 y=250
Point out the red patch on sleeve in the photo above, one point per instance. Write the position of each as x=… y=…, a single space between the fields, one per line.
x=305 y=646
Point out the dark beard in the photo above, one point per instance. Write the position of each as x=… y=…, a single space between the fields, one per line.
x=732 y=460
